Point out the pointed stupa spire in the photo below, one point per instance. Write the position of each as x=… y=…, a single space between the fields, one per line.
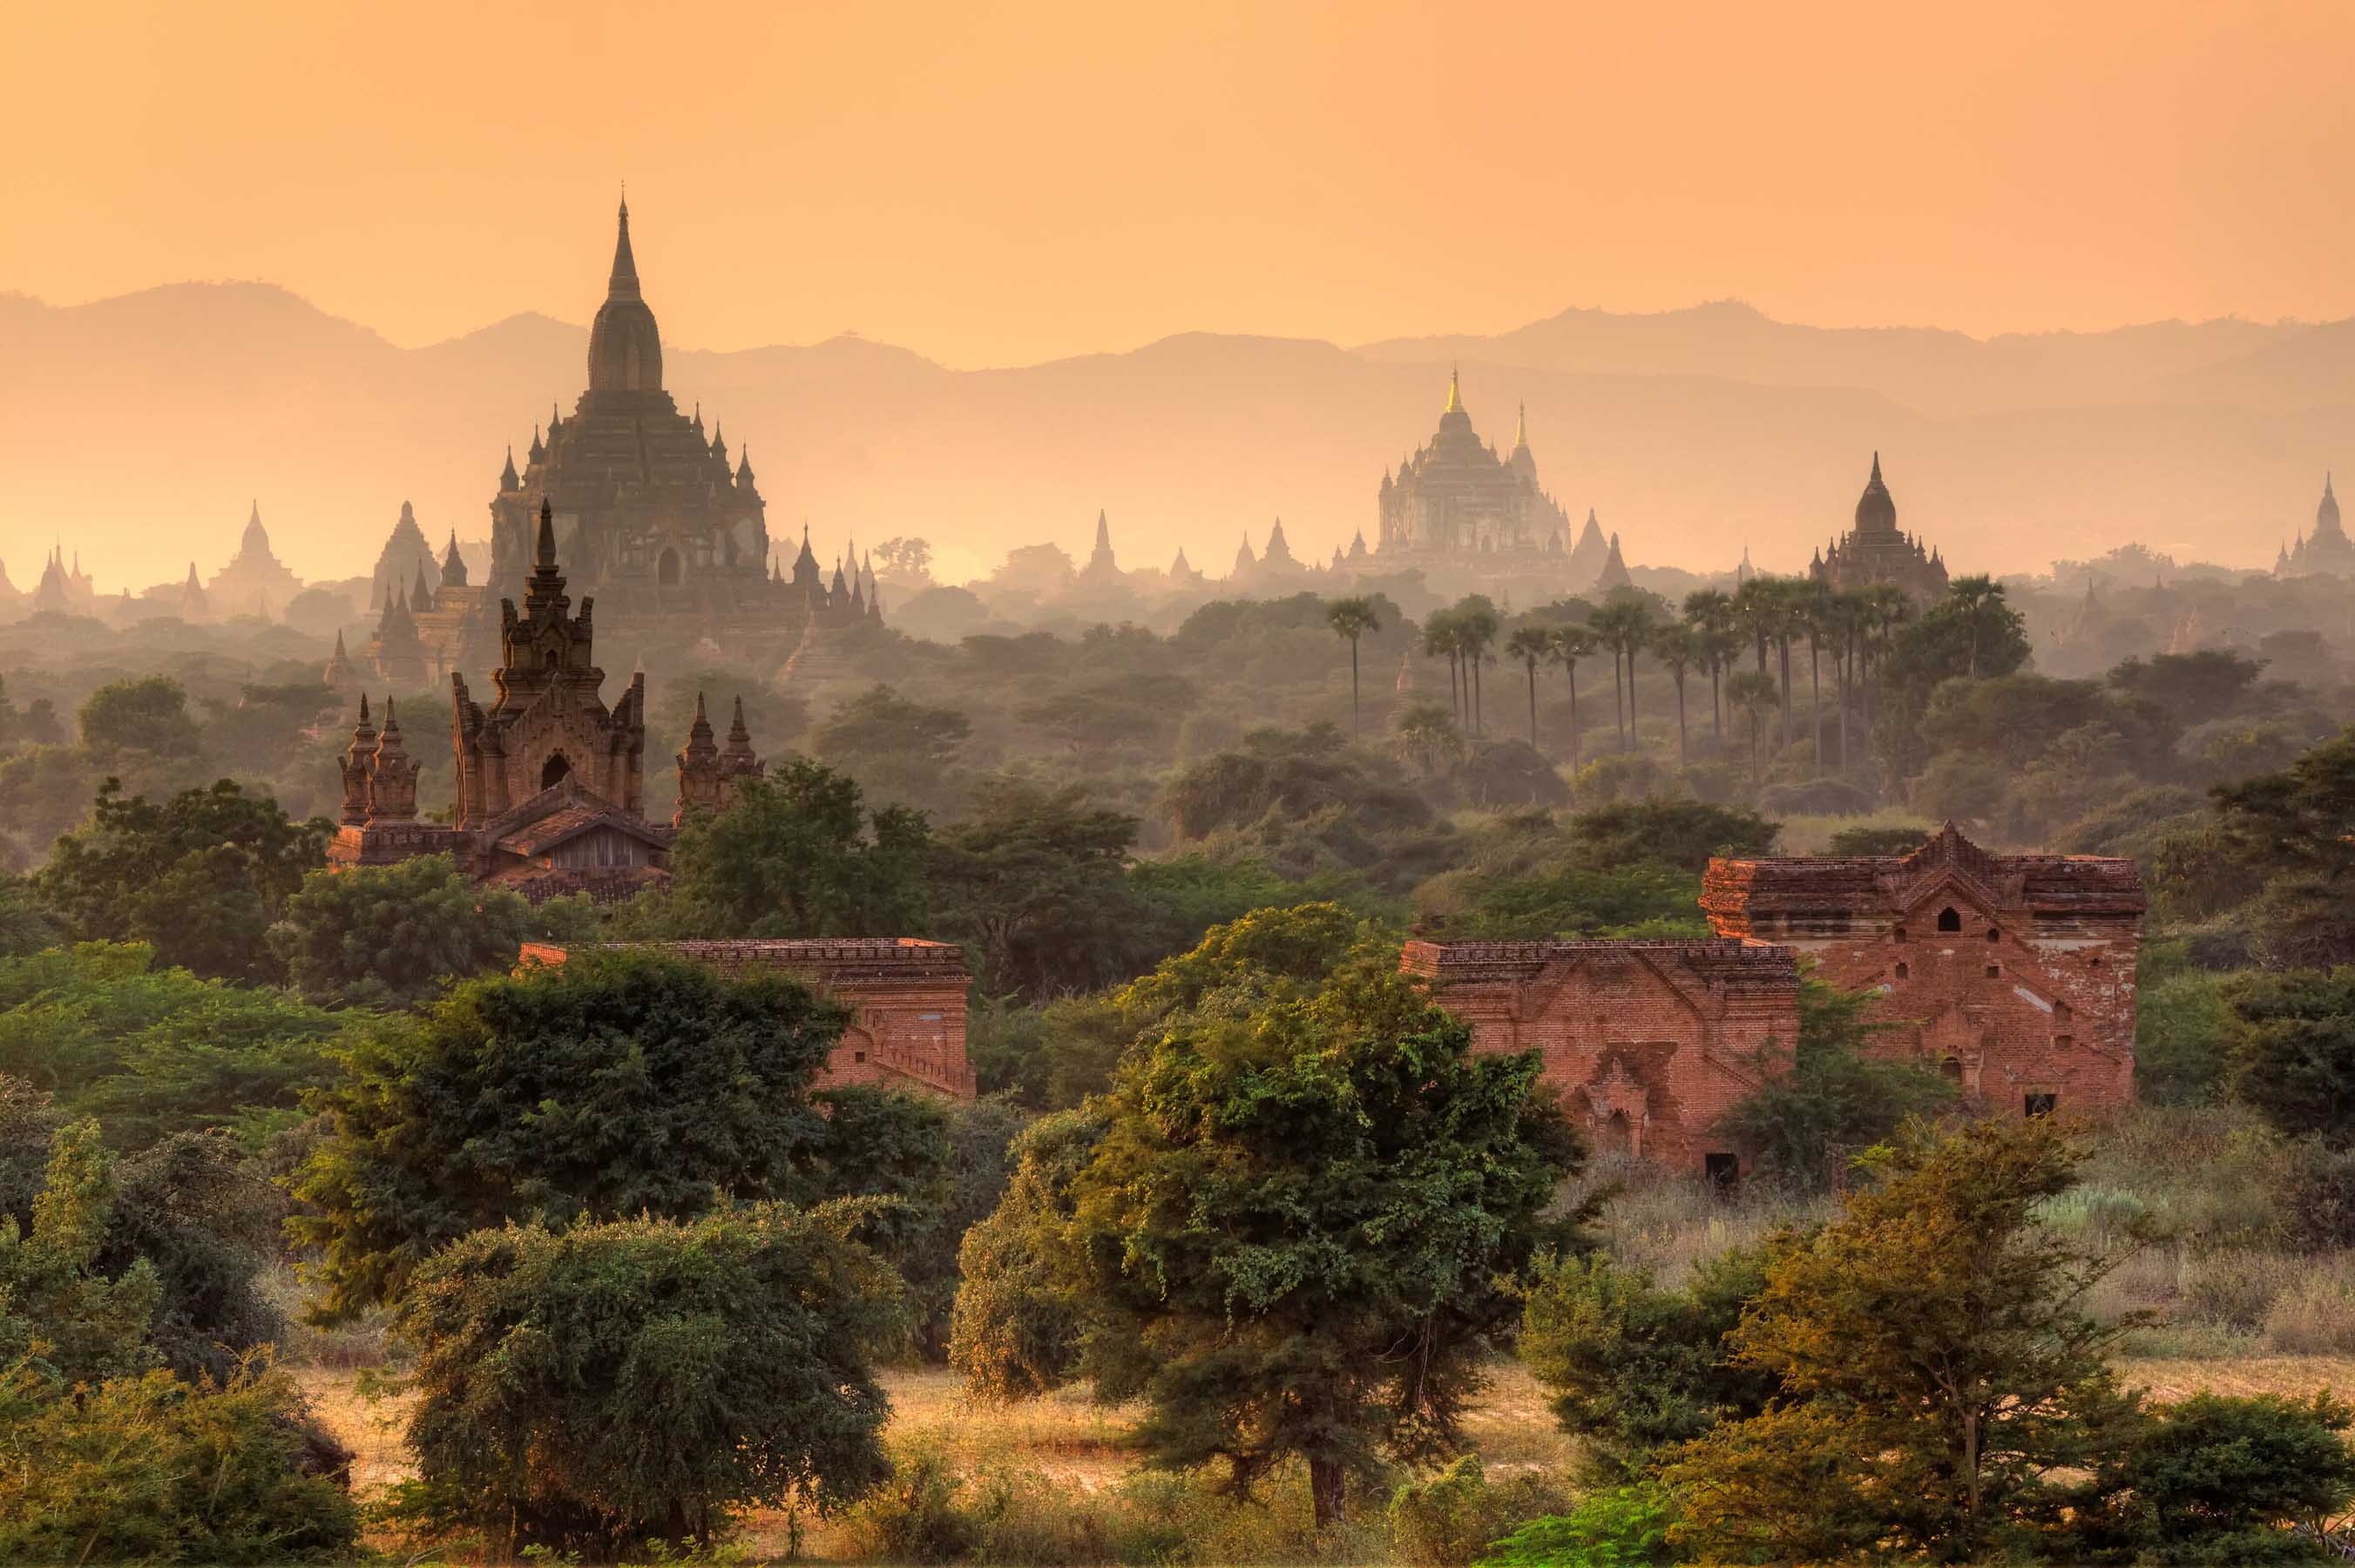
x=1521 y=428
x=544 y=548
x=537 y=450
x=623 y=284
x=1103 y=531
x=1454 y=393
x=508 y=479
x=744 y=466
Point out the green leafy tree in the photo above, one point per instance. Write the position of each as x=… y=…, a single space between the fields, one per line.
x=1677 y=648
x=393 y=936
x=1531 y=646
x=2214 y=1479
x=154 y=1051
x=61 y=1319
x=1036 y=884
x=147 y=714
x=799 y=854
x=1829 y=1095
x=2294 y=832
x=904 y=750
x=1941 y=1388
x=624 y=1083
x=1352 y=618
x=1634 y=1369
x=1294 y=1182
x=1015 y=1329
x=636 y=1381
x=201 y=877
x=2293 y=1053
x=1624 y=625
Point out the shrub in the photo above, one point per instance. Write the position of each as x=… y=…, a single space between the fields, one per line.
x=1627 y=1526
x=2215 y=1479
x=1876 y=840
x=636 y=1381
x=2315 y=1315
x=1449 y=1519
x=150 y=1468
x=1814 y=798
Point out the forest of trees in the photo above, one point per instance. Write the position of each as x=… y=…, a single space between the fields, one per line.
x=643 y=1270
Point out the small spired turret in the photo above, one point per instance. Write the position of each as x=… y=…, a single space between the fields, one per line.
x=339 y=676
x=709 y=779
x=391 y=775
x=357 y=757
x=509 y=480
x=454 y=565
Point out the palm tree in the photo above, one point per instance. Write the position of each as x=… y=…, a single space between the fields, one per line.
x=1811 y=612
x=1845 y=615
x=1710 y=611
x=1571 y=643
x=1971 y=596
x=1352 y=618
x=1751 y=692
x=1478 y=625
x=1530 y=644
x=1623 y=626
x=1439 y=640
x=1753 y=614
x=1677 y=647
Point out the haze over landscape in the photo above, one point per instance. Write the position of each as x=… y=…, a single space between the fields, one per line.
x=1189 y=271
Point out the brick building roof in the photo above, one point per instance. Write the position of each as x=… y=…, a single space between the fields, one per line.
x=2082 y=884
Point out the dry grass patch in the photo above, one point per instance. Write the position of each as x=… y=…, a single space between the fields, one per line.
x=2296 y=1376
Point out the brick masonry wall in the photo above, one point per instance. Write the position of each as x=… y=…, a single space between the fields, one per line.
x=2028 y=1001
x=1648 y=1043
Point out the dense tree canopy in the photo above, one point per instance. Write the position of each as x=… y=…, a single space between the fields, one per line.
x=621 y=1083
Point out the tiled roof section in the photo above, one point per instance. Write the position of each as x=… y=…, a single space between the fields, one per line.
x=603 y=884
x=2088 y=884
x=1721 y=960
x=569 y=822
x=873 y=960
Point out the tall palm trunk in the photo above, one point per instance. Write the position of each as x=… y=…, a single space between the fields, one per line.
x=1533 y=704
x=1573 y=716
x=1631 y=691
x=1353 y=688
x=1816 y=717
x=1716 y=712
x=1474 y=660
x=1784 y=648
x=1683 y=756
x=1618 y=701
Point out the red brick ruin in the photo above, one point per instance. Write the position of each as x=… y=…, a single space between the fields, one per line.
x=2013 y=975
x=906 y=998
x=1649 y=1042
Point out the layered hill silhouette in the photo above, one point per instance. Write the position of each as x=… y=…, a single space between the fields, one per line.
x=138 y=428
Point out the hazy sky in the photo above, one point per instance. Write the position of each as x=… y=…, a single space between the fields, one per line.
x=1000 y=184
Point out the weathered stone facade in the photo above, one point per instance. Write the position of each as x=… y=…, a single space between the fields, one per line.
x=1650 y=1043
x=2013 y=975
x=907 y=1002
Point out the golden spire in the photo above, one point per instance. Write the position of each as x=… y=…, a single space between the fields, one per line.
x=1521 y=431
x=1454 y=394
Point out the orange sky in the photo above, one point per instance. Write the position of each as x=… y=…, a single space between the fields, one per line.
x=995 y=183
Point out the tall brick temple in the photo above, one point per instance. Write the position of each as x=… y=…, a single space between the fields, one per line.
x=1874 y=551
x=549 y=782
x=2013 y=975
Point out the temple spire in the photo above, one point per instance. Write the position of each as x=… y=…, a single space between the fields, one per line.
x=1521 y=429
x=624 y=284
x=1454 y=393
x=544 y=551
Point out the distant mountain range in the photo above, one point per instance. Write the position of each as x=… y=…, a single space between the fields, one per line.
x=137 y=429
